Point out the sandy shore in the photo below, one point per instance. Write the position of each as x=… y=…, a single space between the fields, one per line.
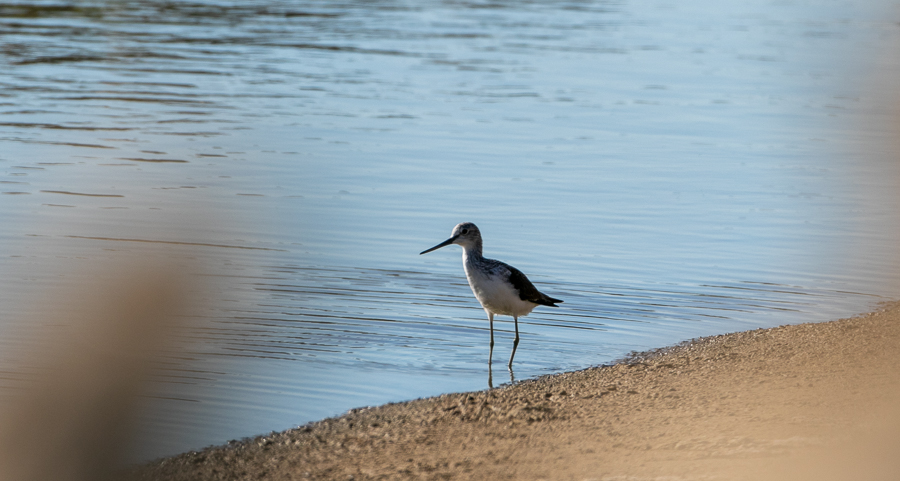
x=812 y=401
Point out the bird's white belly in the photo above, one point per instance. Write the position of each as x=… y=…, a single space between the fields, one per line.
x=497 y=295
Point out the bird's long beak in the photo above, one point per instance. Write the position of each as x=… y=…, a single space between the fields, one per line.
x=442 y=244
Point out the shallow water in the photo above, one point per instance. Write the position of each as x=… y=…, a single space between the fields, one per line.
x=669 y=170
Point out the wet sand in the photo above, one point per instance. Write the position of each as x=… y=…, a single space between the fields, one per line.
x=813 y=401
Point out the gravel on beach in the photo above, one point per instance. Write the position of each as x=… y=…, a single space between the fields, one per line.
x=812 y=401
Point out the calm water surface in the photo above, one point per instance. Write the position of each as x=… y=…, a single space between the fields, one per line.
x=669 y=169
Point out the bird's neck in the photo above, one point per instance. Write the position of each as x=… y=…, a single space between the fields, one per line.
x=474 y=250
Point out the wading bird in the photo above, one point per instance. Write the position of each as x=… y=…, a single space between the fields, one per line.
x=499 y=287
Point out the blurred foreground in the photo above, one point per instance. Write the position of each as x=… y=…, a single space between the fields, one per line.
x=93 y=349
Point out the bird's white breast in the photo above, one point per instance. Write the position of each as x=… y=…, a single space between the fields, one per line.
x=494 y=292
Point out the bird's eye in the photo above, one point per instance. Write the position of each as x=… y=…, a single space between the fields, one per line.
x=464 y=231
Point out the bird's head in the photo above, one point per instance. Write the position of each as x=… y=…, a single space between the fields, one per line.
x=465 y=234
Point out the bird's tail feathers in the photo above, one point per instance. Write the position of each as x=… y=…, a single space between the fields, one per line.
x=549 y=301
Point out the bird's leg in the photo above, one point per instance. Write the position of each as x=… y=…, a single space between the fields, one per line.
x=491 y=353
x=515 y=343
